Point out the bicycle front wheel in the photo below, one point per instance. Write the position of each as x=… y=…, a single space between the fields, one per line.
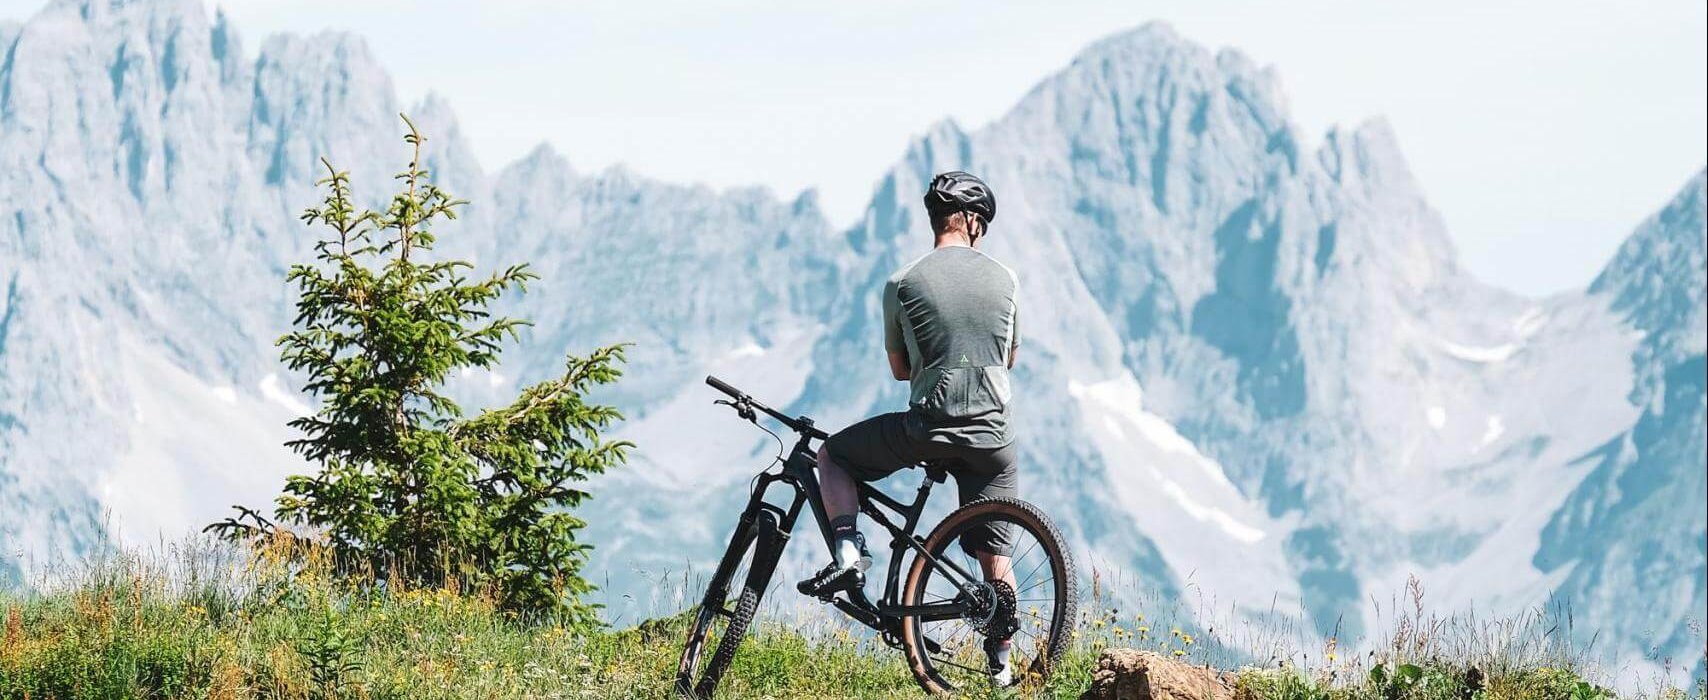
x=1029 y=598
x=732 y=598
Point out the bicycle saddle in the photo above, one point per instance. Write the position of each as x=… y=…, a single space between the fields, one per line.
x=937 y=469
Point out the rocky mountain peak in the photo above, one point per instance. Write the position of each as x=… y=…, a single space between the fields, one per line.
x=1657 y=274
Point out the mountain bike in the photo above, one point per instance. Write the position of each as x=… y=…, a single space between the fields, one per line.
x=939 y=613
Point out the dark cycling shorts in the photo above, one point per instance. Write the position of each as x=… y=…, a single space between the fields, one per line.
x=879 y=446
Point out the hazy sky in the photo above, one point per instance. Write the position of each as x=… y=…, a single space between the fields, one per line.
x=1543 y=130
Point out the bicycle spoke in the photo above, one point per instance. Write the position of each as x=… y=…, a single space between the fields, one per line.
x=1035 y=585
x=969 y=669
x=1035 y=569
x=1049 y=598
x=1014 y=562
x=959 y=636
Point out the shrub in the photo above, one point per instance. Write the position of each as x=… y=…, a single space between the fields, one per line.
x=407 y=485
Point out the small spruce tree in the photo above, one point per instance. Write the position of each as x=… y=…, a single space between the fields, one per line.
x=408 y=486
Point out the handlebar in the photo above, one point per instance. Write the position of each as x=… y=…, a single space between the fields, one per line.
x=802 y=425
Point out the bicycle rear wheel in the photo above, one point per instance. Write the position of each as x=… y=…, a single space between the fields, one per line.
x=1036 y=613
x=732 y=598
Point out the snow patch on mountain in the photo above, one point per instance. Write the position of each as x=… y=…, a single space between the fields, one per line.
x=1134 y=439
x=161 y=486
x=1495 y=428
x=1498 y=353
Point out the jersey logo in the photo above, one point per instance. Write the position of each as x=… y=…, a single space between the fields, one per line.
x=965 y=361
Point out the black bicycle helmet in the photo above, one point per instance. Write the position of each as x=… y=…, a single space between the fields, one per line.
x=955 y=191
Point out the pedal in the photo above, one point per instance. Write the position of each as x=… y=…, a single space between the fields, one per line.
x=830 y=581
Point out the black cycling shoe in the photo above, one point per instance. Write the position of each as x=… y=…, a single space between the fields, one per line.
x=833 y=579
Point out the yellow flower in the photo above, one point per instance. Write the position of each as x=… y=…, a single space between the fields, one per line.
x=1178 y=652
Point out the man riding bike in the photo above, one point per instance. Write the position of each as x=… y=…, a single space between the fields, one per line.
x=951 y=329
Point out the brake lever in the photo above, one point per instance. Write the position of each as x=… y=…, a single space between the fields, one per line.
x=742 y=409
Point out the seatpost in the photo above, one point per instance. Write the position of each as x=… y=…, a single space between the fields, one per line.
x=924 y=488
x=934 y=474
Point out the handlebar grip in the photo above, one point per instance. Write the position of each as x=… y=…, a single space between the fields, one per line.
x=720 y=385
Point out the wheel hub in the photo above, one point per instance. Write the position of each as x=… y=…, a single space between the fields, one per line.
x=981 y=601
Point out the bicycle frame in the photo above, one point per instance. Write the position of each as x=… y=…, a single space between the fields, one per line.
x=799 y=473
x=766 y=526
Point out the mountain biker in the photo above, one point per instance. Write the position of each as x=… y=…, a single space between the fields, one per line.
x=950 y=328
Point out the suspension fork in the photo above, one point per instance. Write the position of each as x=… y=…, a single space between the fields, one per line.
x=770 y=525
x=767 y=551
